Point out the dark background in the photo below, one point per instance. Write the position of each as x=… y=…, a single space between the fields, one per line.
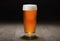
x=11 y=10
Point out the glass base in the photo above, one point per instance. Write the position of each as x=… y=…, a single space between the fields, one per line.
x=29 y=37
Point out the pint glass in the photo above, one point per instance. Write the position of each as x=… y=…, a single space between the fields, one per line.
x=29 y=18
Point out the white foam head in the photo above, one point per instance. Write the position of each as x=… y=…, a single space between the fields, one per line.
x=29 y=7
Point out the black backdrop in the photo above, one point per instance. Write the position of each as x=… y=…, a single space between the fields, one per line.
x=11 y=10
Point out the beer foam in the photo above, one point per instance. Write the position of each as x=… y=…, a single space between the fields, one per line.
x=29 y=7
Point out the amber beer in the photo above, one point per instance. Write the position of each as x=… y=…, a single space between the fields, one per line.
x=29 y=13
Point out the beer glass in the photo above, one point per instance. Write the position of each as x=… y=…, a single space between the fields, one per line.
x=29 y=18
